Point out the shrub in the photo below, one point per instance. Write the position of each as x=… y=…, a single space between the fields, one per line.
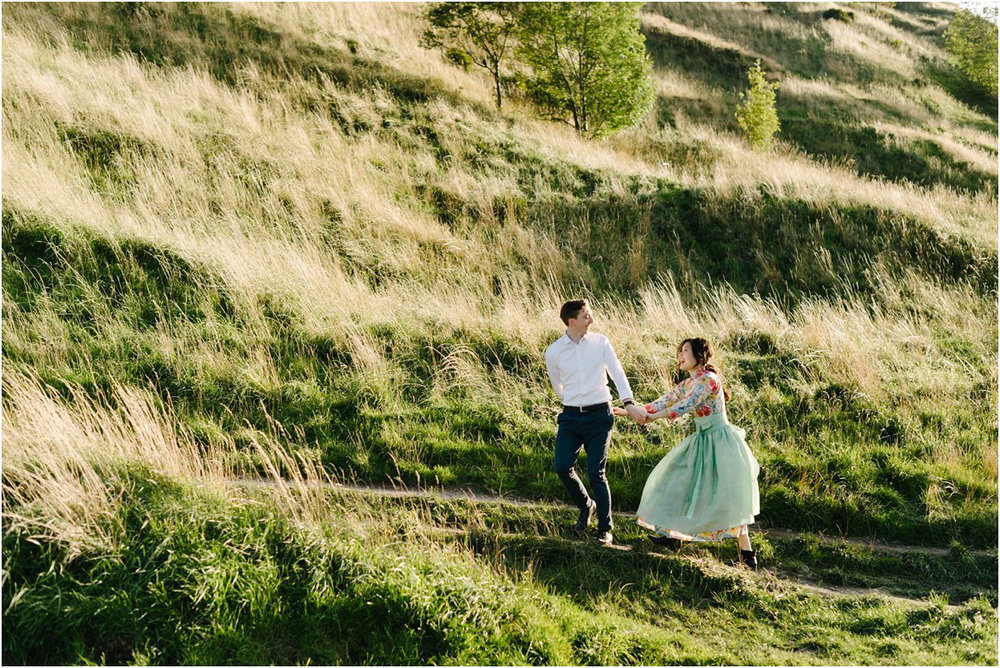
x=839 y=15
x=757 y=115
x=588 y=61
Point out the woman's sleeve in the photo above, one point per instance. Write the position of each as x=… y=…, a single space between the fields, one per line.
x=667 y=399
x=700 y=390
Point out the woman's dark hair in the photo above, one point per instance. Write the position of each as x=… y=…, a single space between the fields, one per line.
x=702 y=351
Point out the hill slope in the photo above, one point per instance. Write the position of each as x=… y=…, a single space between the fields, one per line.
x=299 y=230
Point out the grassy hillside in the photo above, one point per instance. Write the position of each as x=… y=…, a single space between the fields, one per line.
x=166 y=560
x=289 y=229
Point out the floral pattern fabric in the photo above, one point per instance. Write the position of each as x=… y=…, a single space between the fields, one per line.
x=701 y=394
x=704 y=537
x=726 y=463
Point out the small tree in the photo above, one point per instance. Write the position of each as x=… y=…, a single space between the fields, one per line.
x=478 y=32
x=972 y=42
x=757 y=114
x=588 y=62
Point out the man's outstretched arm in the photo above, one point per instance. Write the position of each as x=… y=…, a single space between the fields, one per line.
x=617 y=373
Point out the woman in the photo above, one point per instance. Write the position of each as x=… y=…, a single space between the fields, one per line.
x=705 y=489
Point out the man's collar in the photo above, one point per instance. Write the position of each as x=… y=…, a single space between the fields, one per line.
x=570 y=339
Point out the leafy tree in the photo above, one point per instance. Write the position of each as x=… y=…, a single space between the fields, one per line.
x=588 y=60
x=483 y=33
x=972 y=42
x=757 y=114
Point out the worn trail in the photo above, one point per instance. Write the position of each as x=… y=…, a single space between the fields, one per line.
x=778 y=576
x=468 y=494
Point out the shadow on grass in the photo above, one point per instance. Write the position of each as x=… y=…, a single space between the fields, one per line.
x=960 y=574
x=874 y=153
x=223 y=42
x=789 y=250
x=159 y=285
x=650 y=585
x=961 y=88
x=726 y=68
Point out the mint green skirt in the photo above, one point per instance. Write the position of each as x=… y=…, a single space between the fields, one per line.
x=705 y=488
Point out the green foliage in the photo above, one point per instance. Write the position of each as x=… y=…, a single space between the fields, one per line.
x=474 y=32
x=588 y=61
x=459 y=58
x=197 y=578
x=757 y=114
x=972 y=42
x=838 y=14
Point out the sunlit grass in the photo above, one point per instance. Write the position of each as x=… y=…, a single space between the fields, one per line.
x=406 y=580
x=216 y=270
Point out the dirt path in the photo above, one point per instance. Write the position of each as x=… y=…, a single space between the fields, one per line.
x=780 y=578
x=478 y=497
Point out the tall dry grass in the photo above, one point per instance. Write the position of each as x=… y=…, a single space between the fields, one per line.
x=206 y=149
x=68 y=457
x=63 y=454
x=389 y=32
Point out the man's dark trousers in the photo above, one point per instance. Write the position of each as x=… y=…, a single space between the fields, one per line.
x=590 y=430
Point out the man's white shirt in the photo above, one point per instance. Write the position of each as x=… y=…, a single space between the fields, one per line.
x=579 y=371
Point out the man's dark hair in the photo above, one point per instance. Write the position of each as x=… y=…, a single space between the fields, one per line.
x=571 y=309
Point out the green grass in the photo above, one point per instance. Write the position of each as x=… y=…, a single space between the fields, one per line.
x=859 y=342
x=834 y=459
x=882 y=155
x=200 y=578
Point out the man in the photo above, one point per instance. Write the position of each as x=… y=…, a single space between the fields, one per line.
x=578 y=365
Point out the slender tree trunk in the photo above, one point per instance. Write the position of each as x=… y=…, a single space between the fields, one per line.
x=496 y=80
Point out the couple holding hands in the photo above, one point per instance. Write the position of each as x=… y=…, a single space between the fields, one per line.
x=705 y=489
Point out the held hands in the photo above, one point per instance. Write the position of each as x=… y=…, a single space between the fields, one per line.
x=637 y=413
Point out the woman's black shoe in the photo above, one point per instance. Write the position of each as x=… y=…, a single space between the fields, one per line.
x=747 y=558
x=665 y=541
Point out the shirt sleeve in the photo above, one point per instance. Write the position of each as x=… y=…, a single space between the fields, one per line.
x=699 y=391
x=617 y=373
x=667 y=399
x=552 y=367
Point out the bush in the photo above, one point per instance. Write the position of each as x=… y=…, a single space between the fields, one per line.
x=757 y=115
x=839 y=15
x=588 y=61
